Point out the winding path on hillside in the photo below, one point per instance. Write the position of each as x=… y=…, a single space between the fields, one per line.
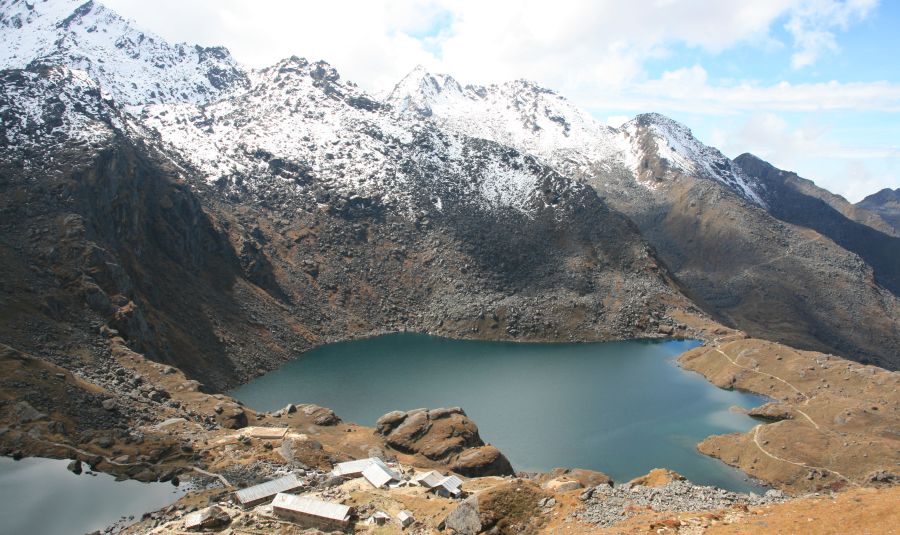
x=806 y=398
x=796 y=463
x=756 y=430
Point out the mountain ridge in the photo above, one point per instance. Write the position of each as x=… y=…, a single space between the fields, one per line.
x=135 y=67
x=885 y=203
x=709 y=220
x=160 y=248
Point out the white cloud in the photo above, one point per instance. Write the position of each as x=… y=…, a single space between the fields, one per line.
x=370 y=42
x=688 y=89
x=812 y=151
x=812 y=24
x=770 y=137
x=576 y=46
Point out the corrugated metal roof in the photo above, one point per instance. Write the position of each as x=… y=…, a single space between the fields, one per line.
x=350 y=468
x=379 y=475
x=451 y=483
x=353 y=467
x=311 y=506
x=269 y=488
x=429 y=479
x=405 y=518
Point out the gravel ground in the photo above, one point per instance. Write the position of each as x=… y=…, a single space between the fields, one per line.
x=606 y=506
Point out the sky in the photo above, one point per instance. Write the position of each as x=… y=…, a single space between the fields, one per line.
x=812 y=86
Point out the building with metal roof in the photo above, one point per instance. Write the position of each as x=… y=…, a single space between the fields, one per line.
x=205 y=518
x=258 y=494
x=355 y=468
x=313 y=513
x=448 y=486
x=266 y=433
x=379 y=475
x=405 y=518
x=429 y=479
x=379 y=518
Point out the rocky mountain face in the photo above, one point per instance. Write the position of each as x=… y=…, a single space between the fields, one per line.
x=885 y=203
x=224 y=235
x=223 y=220
x=787 y=199
x=710 y=221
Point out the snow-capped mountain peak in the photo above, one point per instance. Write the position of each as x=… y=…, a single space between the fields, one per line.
x=682 y=152
x=420 y=89
x=519 y=114
x=133 y=67
x=540 y=122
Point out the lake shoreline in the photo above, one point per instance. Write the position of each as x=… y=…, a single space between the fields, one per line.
x=24 y=437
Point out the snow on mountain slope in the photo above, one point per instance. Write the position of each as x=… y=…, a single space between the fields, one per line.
x=133 y=67
x=675 y=143
x=519 y=114
x=38 y=110
x=535 y=120
x=298 y=123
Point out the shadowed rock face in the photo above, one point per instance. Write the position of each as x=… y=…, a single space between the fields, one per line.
x=789 y=198
x=445 y=435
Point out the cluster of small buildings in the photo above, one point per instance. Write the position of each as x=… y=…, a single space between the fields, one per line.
x=315 y=513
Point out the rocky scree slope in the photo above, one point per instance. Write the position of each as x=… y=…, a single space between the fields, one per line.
x=711 y=223
x=111 y=225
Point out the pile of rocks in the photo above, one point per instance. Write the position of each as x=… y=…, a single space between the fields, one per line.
x=605 y=505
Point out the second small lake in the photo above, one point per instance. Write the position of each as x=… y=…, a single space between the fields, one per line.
x=41 y=497
x=622 y=408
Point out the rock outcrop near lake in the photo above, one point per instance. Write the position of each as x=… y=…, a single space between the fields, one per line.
x=446 y=435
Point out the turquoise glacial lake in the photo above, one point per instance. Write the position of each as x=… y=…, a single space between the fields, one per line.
x=622 y=408
x=40 y=496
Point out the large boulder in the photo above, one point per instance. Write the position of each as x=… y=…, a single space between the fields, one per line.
x=658 y=477
x=320 y=415
x=23 y=413
x=568 y=479
x=464 y=520
x=482 y=461
x=445 y=435
x=773 y=412
x=230 y=415
x=302 y=451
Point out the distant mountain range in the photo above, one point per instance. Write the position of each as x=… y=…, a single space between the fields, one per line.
x=222 y=218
